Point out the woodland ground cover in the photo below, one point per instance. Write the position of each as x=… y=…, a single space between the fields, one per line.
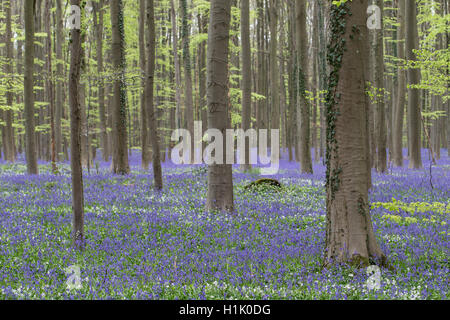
x=161 y=245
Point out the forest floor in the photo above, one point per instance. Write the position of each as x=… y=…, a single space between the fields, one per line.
x=143 y=244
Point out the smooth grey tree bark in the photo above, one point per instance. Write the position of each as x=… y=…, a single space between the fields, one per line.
x=220 y=181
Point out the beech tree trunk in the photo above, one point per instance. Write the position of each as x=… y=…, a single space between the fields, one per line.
x=246 y=76
x=349 y=233
x=401 y=91
x=59 y=103
x=380 y=121
x=75 y=137
x=188 y=100
x=303 y=105
x=98 y=9
x=177 y=65
x=30 y=144
x=154 y=136
x=220 y=182
x=144 y=107
x=120 y=156
x=9 y=144
x=274 y=68
x=414 y=117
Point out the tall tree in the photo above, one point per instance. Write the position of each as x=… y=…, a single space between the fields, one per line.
x=98 y=24
x=9 y=144
x=378 y=83
x=75 y=135
x=349 y=232
x=59 y=78
x=176 y=60
x=401 y=91
x=303 y=106
x=246 y=75
x=220 y=182
x=120 y=156
x=151 y=54
x=49 y=84
x=30 y=149
x=274 y=68
x=411 y=44
x=188 y=100
x=143 y=65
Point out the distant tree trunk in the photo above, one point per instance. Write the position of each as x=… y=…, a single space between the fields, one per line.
x=98 y=9
x=30 y=150
x=151 y=52
x=246 y=76
x=49 y=84
x=59 y=79
x=220 y=182
x=322 y=73
x=261 y=106
x=120 y=157
x=177 y=65
x=9 y=143
x=144 y=107
x=401 y=91
x=75 y=137
x=189 y=115
x=412 y=43
x=303 y=106
x=380 y=122
x=274 y=68
x=349 y=232
x=203 y=27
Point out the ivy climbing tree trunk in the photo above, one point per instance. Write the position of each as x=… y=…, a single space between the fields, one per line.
x=412 y=43
x=75 y=136
x=303 y=105
x=246 y=76
x=154 y=136
x=30 y=139
x=349 y=232
x=220 y=182
x=120 y=156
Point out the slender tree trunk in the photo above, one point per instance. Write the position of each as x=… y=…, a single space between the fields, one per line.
x=75 y=137
x=49 y=85
x=9 y=143
x=220 y=181
x=154 y=137
x=274 y=68
x=189 y=115
x=412 y=43
x=303 y=106
x=380 y=122
x=349 y=233
x=246 y=76
x=144 y=107
x=120 y=157
x=98 y=9
x=30 y=150
x=177 y=65
x=59 y=105
x=401 y=91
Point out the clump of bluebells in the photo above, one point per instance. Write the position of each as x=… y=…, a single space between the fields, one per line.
x=145 y=244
